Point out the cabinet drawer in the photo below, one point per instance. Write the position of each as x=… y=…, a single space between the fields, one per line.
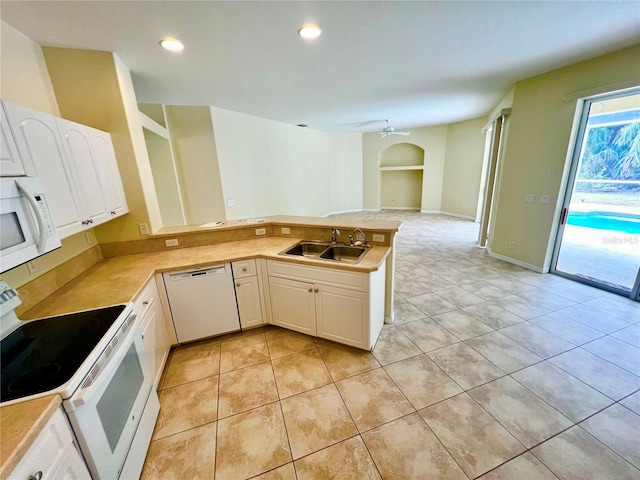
x=244 y=268
x=47 y=450
x=328 y=276
x=146 y=298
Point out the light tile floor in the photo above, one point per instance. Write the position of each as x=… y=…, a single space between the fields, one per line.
x=490 y=371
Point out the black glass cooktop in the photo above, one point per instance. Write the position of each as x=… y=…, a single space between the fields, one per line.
x=43 y=354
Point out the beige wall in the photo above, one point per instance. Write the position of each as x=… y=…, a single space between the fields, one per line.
x=194 y=149
x=433 y=140
x=463 y=167
x=164 y=179
x=94 y=88
x=271 y=168
x=401 y=189
x=539 y=135
x=25 y=80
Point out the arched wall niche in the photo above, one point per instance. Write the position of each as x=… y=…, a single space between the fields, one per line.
x=401 y=176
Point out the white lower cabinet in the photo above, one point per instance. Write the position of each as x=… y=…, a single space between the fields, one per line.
x=293 y=305
x=342 y=315
x=343 y=306
x=153 y=329
x=249 y=307
x=248 y=293
x=53 y=454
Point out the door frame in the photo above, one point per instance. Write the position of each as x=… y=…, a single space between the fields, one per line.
x=584 y=105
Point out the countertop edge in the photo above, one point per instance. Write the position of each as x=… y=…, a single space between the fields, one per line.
x=20 y=449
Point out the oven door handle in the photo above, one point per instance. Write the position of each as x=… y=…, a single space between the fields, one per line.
x=34 y=204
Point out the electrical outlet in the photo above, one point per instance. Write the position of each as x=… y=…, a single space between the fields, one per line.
x=286 y=230
x=545 y=199
x=377 y=237
x=512 y=244
x=551 y=174
x=530 y=198
x=144 y=228
x=89 y=236
x=231 y=203
x=32 y=267
x=261 y=231
x=173 y=242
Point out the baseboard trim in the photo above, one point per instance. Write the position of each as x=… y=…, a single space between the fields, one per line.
x=450 y=214
x=415 y=209
x=338 y=212
x=515 y=261
x=459 y=215
x=389 y=319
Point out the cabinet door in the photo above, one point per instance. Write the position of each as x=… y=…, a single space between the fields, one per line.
x=78 y=146
x=342 y=316
x=154 y=339
x=110 y=174
x=71 y=467
x=293 y=305
x=39 y=144
x=10 y=163
x=249 y=307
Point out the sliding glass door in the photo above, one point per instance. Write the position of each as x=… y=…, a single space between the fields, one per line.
x=599 y=237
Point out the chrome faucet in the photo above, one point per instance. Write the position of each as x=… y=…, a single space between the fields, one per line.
x=334 y=235
x=359 y=235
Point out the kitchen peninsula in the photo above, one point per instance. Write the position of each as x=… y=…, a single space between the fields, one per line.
x=126 y=268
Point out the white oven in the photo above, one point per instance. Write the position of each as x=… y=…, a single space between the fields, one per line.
x=115 y=408
x=26 y=226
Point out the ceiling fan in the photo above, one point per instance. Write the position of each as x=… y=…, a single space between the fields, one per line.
x=388 y=130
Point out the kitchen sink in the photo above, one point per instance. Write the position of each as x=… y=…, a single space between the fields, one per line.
x=307 y=249
x=345 y=253
x=327 y=251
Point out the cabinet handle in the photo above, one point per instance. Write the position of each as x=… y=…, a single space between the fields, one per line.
x=84 y=222
x=238 y=284
x=36 y=476
x=113 y=212
x=310 y=290
x=90 y=220
x=244 y=269
x=316 y=290
x=146 y=302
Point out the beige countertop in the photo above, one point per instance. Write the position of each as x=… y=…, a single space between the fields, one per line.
x=118 y=280
x=20 y=424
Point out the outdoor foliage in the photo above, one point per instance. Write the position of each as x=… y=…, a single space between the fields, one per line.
x=612 y=153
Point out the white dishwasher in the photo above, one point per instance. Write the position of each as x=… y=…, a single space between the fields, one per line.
x=202 y=302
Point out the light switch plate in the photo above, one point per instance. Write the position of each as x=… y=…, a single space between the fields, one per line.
x=285 y=230
x=378 y=237
x=530 y=198
x=545 y=199
x=173 y=242
x=261 y=231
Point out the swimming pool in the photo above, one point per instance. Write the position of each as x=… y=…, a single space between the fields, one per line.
x=621 y=222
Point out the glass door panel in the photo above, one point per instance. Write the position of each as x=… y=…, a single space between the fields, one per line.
x=599 y=237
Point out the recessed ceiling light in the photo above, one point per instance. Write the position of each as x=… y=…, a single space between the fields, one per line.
x=309 y=31
x=172 y=44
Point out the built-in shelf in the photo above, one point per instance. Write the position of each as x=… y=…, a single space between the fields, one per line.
x=404 y=167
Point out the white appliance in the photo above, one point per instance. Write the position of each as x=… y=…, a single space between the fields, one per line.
x=202 y=302
x=96 y=362
x=26 y=227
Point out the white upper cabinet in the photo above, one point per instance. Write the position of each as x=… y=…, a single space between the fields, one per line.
x=10 y=163
x=77 y=164
x=77 y=142
x=108 y=167
x=39 y=144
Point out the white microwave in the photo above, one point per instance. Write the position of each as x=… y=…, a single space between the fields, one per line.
x=26 y=226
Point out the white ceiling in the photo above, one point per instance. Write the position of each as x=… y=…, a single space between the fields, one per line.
x=416 y=63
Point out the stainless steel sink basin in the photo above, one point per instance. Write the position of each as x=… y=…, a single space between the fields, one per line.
x=307 y=249
x=327 y=251
x=343 y=253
